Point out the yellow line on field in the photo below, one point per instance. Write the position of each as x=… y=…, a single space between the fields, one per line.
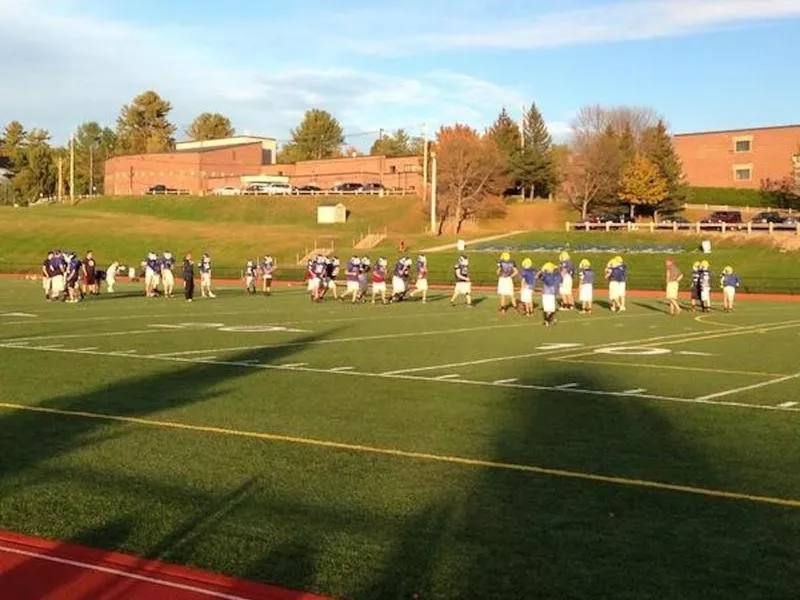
x=695 y=338
x=670 y=367
x=703 y=319
x=423 y=456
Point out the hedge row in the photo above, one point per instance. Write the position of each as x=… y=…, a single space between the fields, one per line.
x=727 y=196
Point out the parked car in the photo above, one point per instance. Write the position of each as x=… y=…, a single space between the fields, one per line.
x=675 y=219
x=228 y=190
x=348 y=187
x=728 y=217
x=768 y=217
x=373 y=187
x=308 y=189
x=269 y=189
x=609 y=218
x=159 y=188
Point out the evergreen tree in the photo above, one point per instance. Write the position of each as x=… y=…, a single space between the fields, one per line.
x=319 y=135
x=143 y=125
x=534 y=166
x=657 y=146
x=210 y=126
x=506 y=135
x=397 y=144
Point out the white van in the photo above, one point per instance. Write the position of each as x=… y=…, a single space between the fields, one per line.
x=269 y=189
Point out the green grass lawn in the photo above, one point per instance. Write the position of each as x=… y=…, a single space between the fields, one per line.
x=372 y=452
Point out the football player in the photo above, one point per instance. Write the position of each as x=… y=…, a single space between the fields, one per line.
x=364 y=267
x=421 y=284
x=250 y=274
x=379 y=279
x=567 y=270
x=730 y=282
x=695 y=285
x=705 y=286
x=205 y=276
x=586 y=286
x=463 y=285
x=551 y=284
x=528 y=277
x=351 y=275
x=267 y=272
x=506 y=271
x=167 y=275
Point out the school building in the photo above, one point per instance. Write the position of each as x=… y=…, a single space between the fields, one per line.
x=738 y=158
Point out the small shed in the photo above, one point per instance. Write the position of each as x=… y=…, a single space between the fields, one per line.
x=331 y=212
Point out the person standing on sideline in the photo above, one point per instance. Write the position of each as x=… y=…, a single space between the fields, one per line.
x=111 y=276
x=674 y=277
x=188 y=277
x=730 y=282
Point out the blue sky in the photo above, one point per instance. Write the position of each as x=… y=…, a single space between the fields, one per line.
x=703 y=64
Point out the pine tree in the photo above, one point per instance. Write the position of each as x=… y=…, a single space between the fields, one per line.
x=506 y=135
x=143 y=125
x=535 y=166
x=319 y=135
x=210 y=126
x=656 y=145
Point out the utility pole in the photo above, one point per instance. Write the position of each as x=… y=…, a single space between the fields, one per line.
x=72 y=169
x=60 y=194
x=91 y=168
x=433 y=193
x=424 y=162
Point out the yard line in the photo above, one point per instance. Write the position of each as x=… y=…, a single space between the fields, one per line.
x=638 y=365
x=788 y=404
x=449 y=376
x=364 y=338
x=115 y=352
x=76 y=335
x=204 y=358
x=635 y=391
x=502 y=381
x=121 y=573
x=291 y=365
x=87 y=348
x=566 y=386
x=53 y=346
x=406 y=377
x=747 y=388
x=690 y=353
x=698 y=335
x=412 y=455
x=340 y=369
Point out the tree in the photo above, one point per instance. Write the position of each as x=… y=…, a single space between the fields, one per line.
x=30 y=161
x=210 y=126
x=94 y=144
x=319 y=135
x=784 y=192
x=506 y=134
x=592 y=172
x=627 y=143
x=143 y=125
x=534 y=165
x=641 y=183
x=656 y=144
x=593 y=120
x=398 y=143
x=471 y=168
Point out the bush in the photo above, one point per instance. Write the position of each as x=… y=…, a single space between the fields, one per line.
x=727 y=196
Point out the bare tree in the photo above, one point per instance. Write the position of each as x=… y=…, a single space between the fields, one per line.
x=592 y=175
x=594 y=120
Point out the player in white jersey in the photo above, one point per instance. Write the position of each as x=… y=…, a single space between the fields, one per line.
x=205 y=277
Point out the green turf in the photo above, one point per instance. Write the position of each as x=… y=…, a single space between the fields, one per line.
x=361 y=524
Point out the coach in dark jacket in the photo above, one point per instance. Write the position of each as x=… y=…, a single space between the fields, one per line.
x=188 y=277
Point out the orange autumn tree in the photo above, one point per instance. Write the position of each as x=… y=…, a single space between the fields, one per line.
x=472 y=171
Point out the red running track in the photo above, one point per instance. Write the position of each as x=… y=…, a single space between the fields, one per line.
x=38 y=569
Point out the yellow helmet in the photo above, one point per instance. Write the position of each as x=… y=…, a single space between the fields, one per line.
x=728 y=270
x=527 y=263
x=505 y=256
x=704 y=264
x=696 y=265
x=618 y=259
x=585 y=264
x=564 y=255
x=548 y=267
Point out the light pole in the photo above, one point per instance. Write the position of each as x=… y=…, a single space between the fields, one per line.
x=433 y=192
x=91 y=164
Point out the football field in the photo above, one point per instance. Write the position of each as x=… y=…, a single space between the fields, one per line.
x=368 y=451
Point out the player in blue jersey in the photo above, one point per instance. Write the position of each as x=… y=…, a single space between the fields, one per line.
x=250 y=275
x=585 y=286
x=167 y=273
x=550 y=276
x=351 y=277
x=364 y=268
x=463 y=285
x=527 y=277
x=73 y=277
x=506 y=272
x=616 y=273
x=205 y=276
x=319 y=273
x=332 y=268
x=267 y=269
x=567 y=270
x=421 y=284
x=402 y=269
x=730 y=283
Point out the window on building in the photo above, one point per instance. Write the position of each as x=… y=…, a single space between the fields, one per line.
x=743 y=144
x=393 y=169
x=743 y=173
x=408 y=168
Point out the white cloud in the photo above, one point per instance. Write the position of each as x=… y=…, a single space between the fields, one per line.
x=69 y=67
x=625 y=20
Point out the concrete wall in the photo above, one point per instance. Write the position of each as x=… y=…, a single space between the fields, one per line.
x=712 y=159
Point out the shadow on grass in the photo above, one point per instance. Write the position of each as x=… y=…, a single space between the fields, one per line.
x=651 y=306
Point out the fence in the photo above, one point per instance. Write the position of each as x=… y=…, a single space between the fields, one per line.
x=698 y=227
x=380 y=193
x=747 y=209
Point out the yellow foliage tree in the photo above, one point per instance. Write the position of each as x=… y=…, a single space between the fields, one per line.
x=641 y=183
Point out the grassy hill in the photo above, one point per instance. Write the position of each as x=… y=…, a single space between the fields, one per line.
x=236 y=228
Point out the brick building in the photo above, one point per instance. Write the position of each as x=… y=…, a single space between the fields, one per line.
x=739 y=158
x=196 y=167
x=403 y=172
x=200 y=167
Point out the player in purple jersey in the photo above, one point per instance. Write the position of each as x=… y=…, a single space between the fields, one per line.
x=506 y=272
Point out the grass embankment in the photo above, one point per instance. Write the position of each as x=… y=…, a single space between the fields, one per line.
x=235 y=228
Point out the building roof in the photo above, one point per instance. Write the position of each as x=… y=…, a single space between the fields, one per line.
x=202 y=149
x=742 y=130
x=234 y=137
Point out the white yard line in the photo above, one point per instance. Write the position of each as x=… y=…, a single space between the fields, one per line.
x=68 y=336
x=545 y=388
x=747 y=388
x=341 y=369
x=787 y=404
x=635 y=391
x=502 y=381
x=566 y=386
